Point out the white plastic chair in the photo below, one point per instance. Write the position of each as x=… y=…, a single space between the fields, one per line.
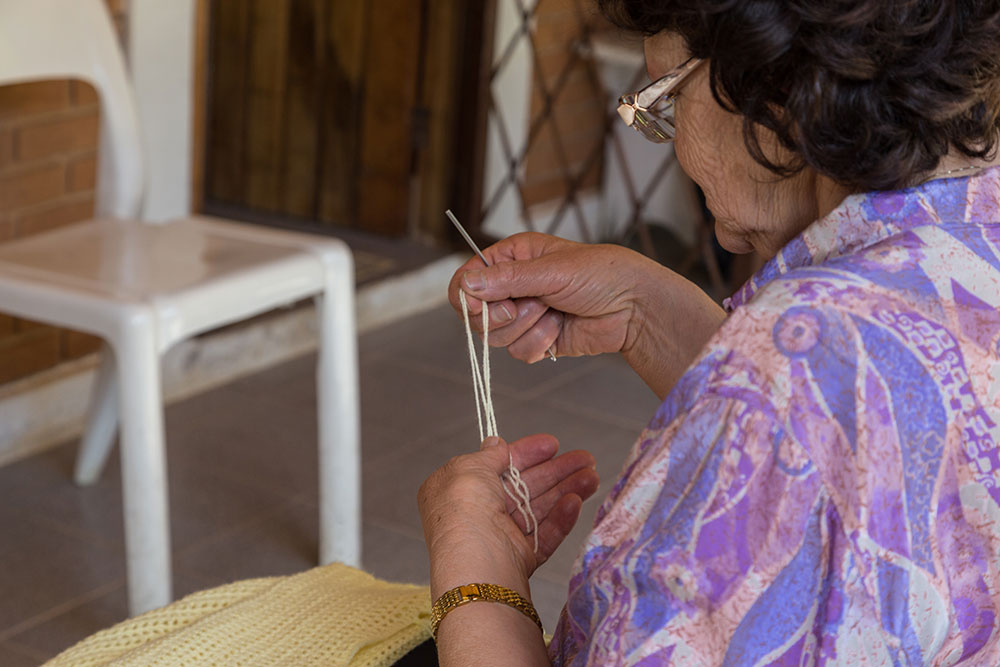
x=144 y=287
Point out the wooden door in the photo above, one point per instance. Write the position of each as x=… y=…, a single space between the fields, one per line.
x=340 y=112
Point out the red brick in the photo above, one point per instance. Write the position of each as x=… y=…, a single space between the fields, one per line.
x=24 y=99
x=81 y=173
x=77 y=344
x=83 y=94
x=27 y=353
x=31 y=186
x=54 y=137
x=56 y=214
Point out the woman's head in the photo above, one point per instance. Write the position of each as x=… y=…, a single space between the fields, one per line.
x=754 y=209
x=872 y=93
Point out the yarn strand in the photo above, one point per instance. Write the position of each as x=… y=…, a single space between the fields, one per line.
x=477 y=380
x=485 y=415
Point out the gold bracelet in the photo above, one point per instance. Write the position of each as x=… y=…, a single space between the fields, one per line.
x=460 y=595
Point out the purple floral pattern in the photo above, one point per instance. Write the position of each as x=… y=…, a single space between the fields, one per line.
x=823 y=484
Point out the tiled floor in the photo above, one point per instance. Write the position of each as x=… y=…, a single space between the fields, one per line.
x=242 y=477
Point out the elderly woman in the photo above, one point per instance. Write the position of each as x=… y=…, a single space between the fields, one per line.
x=821 y=483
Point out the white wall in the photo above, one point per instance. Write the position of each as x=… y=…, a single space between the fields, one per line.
x=512 y=93
x=161 y=59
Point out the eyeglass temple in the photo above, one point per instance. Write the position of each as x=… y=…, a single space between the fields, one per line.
x=648 y=96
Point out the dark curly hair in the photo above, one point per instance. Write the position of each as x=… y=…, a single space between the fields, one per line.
x=871 y=93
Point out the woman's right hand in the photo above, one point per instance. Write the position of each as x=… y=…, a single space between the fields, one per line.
x=580 y=299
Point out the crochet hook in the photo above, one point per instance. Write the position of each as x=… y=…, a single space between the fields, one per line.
x=475 y=248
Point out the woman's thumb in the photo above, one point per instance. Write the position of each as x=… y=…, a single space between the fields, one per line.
x=490 y=442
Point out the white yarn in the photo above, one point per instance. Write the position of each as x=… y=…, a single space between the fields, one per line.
x=484 y=414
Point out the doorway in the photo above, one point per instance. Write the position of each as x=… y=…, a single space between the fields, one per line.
x=342 y=116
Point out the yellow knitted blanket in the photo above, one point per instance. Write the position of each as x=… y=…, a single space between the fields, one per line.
x=330 y=615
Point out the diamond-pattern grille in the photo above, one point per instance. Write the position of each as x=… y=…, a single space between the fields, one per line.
x=553 y=151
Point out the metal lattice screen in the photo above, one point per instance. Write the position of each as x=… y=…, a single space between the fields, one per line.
x=557 y=159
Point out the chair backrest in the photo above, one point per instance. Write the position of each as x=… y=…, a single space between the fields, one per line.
x=74 y=39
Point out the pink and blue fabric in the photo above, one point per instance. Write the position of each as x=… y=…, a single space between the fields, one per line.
x=823 y=485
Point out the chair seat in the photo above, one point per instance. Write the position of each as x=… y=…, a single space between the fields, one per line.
x=144 y=287
x=197 y=273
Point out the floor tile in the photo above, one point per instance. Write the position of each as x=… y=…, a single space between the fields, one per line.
x=47 y=568
x=413 y=403
x=12 y=655
x=294 y=382
x=285 y=541
x=242 y=469
x=548 y=598
x=203 y=502
x=266 y=441
x=58 y=633
x=435 y=342
x=395 y=555
x=611 y=390
x=405 y=401
x=390 y=484
x=24 y=481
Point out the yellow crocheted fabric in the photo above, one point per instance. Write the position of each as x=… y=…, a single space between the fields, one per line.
x=330 y=615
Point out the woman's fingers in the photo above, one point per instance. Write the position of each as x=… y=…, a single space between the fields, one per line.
x=556 y=485
x=537 y=276
x=545 y=475
x=519 y=267
x=570 y=473
x=534 y=344
x=527 y=312
x=526 y=453
x=511 y=320
x=556 y=526
x=502 y=312
x=582 y=484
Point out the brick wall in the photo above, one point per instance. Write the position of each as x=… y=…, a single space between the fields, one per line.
x=48 y=150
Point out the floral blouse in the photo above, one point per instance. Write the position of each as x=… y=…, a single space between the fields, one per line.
x=822 y=486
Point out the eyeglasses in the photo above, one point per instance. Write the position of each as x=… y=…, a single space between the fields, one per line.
x=651 y=110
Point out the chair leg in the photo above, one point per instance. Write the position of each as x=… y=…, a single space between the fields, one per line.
x=144 y=475
x=339 y=418
x=102 y=422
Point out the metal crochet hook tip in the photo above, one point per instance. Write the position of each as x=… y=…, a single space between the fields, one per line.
x=475 y=248
x=465 y=235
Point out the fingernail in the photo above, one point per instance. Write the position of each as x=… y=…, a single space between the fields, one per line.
x=491 y=441
x=474 y=280
x=499 y=313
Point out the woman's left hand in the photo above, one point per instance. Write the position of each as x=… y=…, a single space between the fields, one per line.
x=473 y=530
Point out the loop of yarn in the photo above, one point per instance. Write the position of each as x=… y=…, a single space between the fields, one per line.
x=485 y=415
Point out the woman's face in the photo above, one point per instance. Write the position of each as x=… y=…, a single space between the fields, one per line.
x=753 y=208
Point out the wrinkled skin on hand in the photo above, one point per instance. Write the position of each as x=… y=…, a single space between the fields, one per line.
x=573 y=295
x=468 y=518
x=581 y=299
